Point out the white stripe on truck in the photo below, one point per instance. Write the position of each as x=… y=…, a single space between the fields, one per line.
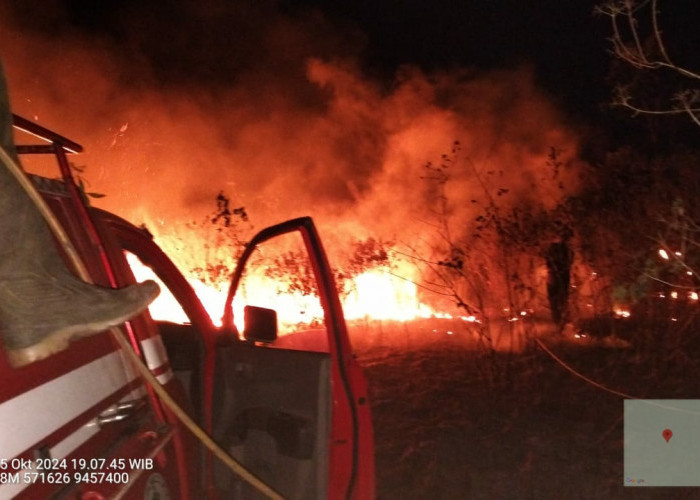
x=27 y=418
x=156 y=356
x=31 y=416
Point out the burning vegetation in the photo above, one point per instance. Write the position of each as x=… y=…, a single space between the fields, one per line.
x=441 y=196
x=421 y=174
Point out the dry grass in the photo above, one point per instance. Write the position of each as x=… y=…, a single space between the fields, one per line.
x=446 y=428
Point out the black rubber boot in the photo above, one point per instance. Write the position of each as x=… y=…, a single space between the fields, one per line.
x=43 y=306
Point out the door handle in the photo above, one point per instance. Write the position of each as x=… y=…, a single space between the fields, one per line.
x=120 y=411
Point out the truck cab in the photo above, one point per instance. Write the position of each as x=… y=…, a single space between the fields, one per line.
x=287 y=403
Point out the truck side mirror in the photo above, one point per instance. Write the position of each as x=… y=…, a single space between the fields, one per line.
x=260 y=324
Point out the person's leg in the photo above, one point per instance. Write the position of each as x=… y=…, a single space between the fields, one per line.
x=42 y=304
x=553 y=294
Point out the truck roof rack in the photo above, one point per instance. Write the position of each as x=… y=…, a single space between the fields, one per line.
x=44 y=134
x=60 y=146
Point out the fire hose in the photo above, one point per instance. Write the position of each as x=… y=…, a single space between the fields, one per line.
x=60 y=234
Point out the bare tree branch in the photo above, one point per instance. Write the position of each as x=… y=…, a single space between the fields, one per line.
x=628 y=45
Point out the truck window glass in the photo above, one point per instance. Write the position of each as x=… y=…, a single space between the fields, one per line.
x=280 y=277
x=165 y=307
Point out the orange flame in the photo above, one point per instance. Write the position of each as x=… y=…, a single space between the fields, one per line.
x=375 y=294
x=380 y=295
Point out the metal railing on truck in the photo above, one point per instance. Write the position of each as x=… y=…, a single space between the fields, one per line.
x=60 y=146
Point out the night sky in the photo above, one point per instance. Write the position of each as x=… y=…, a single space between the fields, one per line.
x=211 y=41
x=562 y=40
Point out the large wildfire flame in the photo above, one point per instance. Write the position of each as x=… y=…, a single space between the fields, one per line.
x=300 y=130
x=374 y=294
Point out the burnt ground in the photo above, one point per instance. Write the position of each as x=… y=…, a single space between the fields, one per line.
x=453 y=421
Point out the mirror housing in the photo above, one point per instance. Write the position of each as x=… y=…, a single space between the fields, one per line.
x=260 y=324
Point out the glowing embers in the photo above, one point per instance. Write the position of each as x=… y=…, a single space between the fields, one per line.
x=622 y=313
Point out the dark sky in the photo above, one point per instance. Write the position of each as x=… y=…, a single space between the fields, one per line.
x=210 y=42
x=563 y=40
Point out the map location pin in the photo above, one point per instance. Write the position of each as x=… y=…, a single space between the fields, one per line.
x=667 y=434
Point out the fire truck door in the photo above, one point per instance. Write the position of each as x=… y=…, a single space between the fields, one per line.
x=280 y=401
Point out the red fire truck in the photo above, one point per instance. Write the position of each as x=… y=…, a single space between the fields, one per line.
x=84 y=424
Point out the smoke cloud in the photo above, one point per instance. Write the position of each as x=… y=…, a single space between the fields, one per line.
x=273 y=107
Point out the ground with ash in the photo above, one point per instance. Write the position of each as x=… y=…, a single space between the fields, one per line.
x=452 y=420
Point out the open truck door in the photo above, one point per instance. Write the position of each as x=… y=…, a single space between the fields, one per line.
x=290 y=402
x=284 y=397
